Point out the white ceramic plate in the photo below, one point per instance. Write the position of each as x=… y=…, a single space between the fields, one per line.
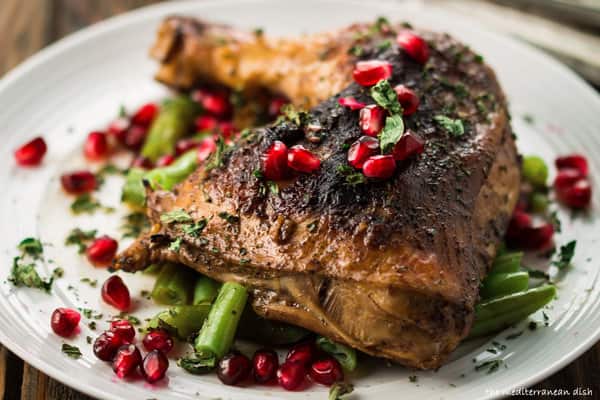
x=76 y=86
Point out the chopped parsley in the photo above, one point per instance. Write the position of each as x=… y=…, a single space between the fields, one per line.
x=135 y=224
x=232 y=219
x=25 y=274
x=216 y=158
x=413 y=378
x=340 y=390
x=356 y=50
x=491 y=366
x=555 y=221
x=565 y=255
x=312 y=227
x=108 y=169
x=131 y=318
x=175 y=244
x=71 y=351
x=290 y=113
x=258 y=174
x=80 y=238
x=92 y=282
x=31 y=246
x=273 y=187
x=386 y=97
x=85 y=203
x=198 y=364
x=177 y=215
x=351 y=176
x=195 y=229
x=391 y=133
x=384 y=45
x=454 y=127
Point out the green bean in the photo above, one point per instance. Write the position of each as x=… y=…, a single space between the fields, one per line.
x=498 y=313
x=507 y=262
x=182 y=321
x=539 y=202
x=535 y=170
x=345 y=355
x=217 y=333
x=205 y=290
x=174 y=285
x=500 y=284
x=134 y=192
x=172 y=123
x=268 y=332
x=153 y=269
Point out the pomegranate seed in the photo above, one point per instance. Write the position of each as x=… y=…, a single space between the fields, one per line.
x=576 y=161
x=361 y=150
x=142 y=162
x=409 y=144
x=233 y=368
x=106 y=345
x=115 y=293
x=578 y=195
x=206 y=147
x=326 y=372
x=158 y=339
x=275 y=106
x=566 y=178
x=184 y=145
x=126 y=361
x=367 y=73
x=213 y=102
x=165 y=160
x=123 y=329
x=226 y=130
x=154 y=366
x=302 y=160
x=145 y=115
x=102 y=251
x=290 y=375
x=304 y=353
x=31 y=153
x=371 y=120
x=407 y=99
x=96 y=146
x=380 y=167
x=520 y=220
x=78 y=182
x=522 y=234
x=118 y=129
x=414 y=46
x=351 y=103
x=264 y=365
x=205 y=123
x=135 y=136
x=275 y=161
x=64 y=321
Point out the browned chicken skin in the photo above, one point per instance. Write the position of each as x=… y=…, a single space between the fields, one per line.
x=389 y=267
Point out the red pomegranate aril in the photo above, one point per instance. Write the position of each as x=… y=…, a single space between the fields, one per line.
x=407 y=99
x=264 y=365
x=126 y=361
x=291 y=375
x=566 y=178
x=106 y=345
x=145 y=115
x=213 y=102
x=123 y=329
x=361 y=150
x=576 y=161
x=184 y=145
x=154 y=366
x=135 y=136
x=227 y=130
x=102 y=251
x=578 y=195
x=275 y=106
x=326 y=371
x=303 y=352
x=206 y=123
x=64 y=321
x=165 y=160
x=118 y=129
x=410 y=144
x=414 y=46
x=370 y=120
x=115 y=293
x=142 y=162
x=351 y=103
x=302 y=160
x=78 y=182
x=522 y=234
x=379 y=167
x=368 y=73
x=519 y=221
x=275 y=161
x=206 y=147
x=233 y=368
x=96 y=146
x=158 y=339
x=31 y=153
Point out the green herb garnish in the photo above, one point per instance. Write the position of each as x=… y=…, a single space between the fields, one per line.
x=391 y=133
x=178 y=215
x=196 y=228
x=25 y=274
x=80 y=238
x=232 y=219
x=565 y=255
x=135 y=224
x=175 y=244
x=386 y=97
x=340 y=390
x=71 y=351
x=198 y=364
x=454 y=127
x=85 y=203
x=31 y=246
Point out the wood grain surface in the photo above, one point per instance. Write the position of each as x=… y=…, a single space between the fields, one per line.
x=26 y=26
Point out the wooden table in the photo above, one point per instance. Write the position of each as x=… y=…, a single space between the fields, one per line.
x=28 y=25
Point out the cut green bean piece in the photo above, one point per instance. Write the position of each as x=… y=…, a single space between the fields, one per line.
x=205 y=290
x=174 y=285
x=500 y=284
x=134 y=192
x=268 y=332
x=173 y=121
x=496 y=314
x=535 y=171
x=507 y=262
x=217 y=333
x=182 y=321
x=345 y=355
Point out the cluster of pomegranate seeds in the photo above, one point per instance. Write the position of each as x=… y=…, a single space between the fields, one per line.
x=145 y=115
x=275 y=106
x=134 y=139
x=302 y=160
x=142 y=162
x=368 y=73
x=361 y=150
x=413 y=45
x=275 y=160
x=64 y=321
x=379 y=167
x=407 y=99
x=165 y=160
x=123 y=329
x=265 y=363
x=96 y=146
x=522 y=233
x=291 y=375
x=571 y=185
x=126 y=361
x=371 y=120
x=206 y=123
x=233 y=368
x=78 y=182
x=118 y=129
x=351 y=103
x=410 y=144
x=158 y=339
x=213 y=102
x=31 y=153
x=326 y=371
x=154 y=366
x=102 y=251
x=106 y=345
x=115 y=293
